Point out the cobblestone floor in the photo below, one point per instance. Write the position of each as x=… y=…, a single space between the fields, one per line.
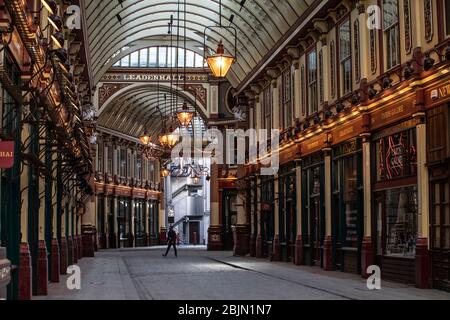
x=142 y=273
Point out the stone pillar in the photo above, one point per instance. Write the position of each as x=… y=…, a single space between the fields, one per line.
x=133 y=222
x=215 y=241
x=241 y=235
x=253 y=218
x=147 y=216
x=328 y=241
x=42 y=258
x=423 y=261
x=298 y=257
x=367 y=250
x=297 y=88
x=276 y=248
x=259 y=242
x=25 y=272
x=63 y=246
x=275 y=104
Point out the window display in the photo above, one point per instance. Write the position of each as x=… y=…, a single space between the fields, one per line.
x=401 y=221
x=396 y=155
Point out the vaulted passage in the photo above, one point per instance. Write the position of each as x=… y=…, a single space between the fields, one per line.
x=277 y=149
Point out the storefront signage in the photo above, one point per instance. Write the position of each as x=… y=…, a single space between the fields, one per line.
x=6 y=154
x=438 y=95
x=312 y=145
x=288 y=154
x=346 y=132
x=163 y=77
x=391 y=114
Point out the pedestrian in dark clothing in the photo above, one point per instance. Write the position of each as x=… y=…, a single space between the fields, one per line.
x=171 y=241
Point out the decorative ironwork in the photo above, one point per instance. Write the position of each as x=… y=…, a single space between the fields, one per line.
x=108 y=89
x=408 y=31
x=428 y=12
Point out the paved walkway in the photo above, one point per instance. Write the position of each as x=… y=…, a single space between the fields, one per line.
x=142 y=274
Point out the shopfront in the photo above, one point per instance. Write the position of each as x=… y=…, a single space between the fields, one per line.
x=438 y=159
x=124 y=222
x=267 y=222
x=139 y=223
x=153 y=222
x=395 y=200
x=347 y=204
x=313 y=209
x=287 y=211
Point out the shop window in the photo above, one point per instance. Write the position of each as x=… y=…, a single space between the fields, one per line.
x=396 y=156
x=347 y=192
x=447 y=16
x=345 y=57
x=401 y=221
x=391 y=32
x=312 y=82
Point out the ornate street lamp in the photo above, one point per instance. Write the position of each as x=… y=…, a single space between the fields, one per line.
x=185 y=116
x=145 y=138
x=220 y=63
x=165 y=172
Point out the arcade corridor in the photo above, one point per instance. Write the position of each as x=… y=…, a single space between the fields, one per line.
x=143 y=274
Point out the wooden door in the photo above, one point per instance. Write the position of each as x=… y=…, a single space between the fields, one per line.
x=440 y=233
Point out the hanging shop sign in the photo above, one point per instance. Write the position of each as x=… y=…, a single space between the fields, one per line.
x=6 y=154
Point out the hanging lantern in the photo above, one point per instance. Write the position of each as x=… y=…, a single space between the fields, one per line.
x=168 y=139
x=185 y=116
x=220 y=63
x=165 y=172
x=145 y=138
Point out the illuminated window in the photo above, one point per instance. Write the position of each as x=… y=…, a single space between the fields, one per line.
x=312 y=82
x=345 y=57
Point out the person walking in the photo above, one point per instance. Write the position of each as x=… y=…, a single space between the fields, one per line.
x=171 y=241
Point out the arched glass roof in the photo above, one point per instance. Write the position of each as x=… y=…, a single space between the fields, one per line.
x=143 y=108
x=115 y=24
x=158 y=57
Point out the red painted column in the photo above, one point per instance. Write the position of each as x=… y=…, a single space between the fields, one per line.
x=298 y=257
x=252 y=245
x=423 y=264
x=259 y=246
x=42 y=272
x=70 y=255
x=54 y=277
x=327 y=254
x=75 y=249
x=80 y=246
x=25 y=272
x=63 y=258
x=367 y=256
x=276 y=253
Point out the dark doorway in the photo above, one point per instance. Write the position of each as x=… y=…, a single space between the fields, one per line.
x=194 y=232
x=440 y=233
